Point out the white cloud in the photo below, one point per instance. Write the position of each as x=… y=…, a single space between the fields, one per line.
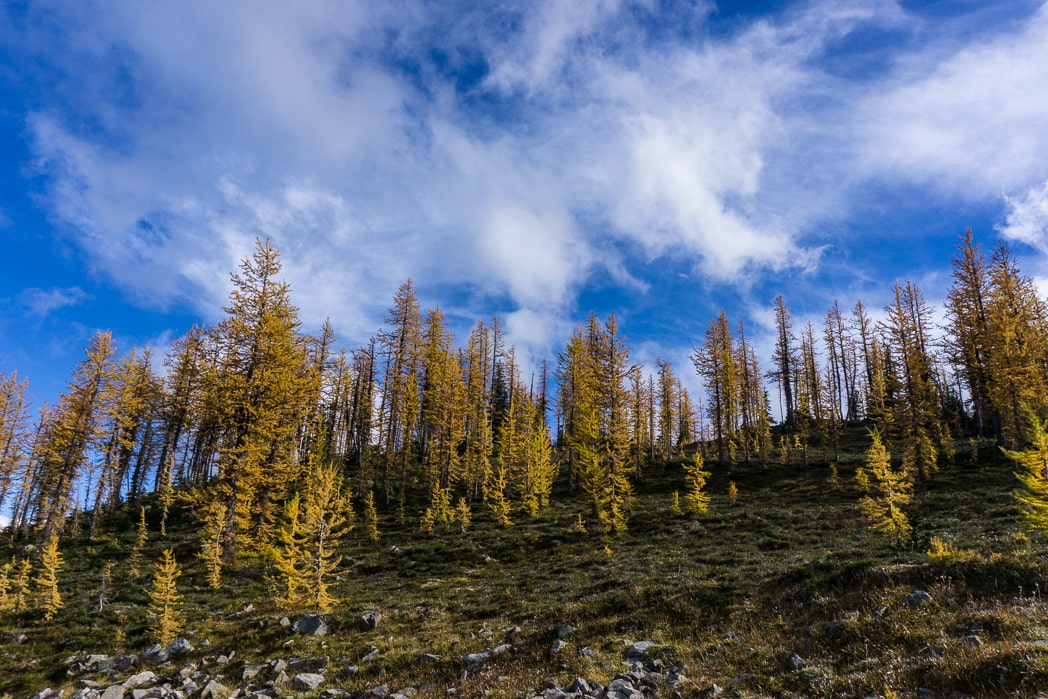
x=330 y=128
x=1026 y=218
x=41 y=303
x=970 y=122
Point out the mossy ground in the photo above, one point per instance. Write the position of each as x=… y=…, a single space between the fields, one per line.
x=789 y=568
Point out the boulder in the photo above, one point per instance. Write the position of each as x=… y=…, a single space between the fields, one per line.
x=214 y=690
x=307 y=680
x=139 y=680
x=371 y=620
x=918 y=598
x=310 y=625
x=641 y=649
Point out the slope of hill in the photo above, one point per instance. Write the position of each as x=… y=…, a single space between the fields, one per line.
x=785 y=592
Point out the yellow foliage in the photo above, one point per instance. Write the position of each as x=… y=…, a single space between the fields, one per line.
x=47 y=581
x=1034 y=477
x=675 y=505
x=165 y=602
x=695 y=478
x=578 y=526
x=463 y=514
x=733 y=492
x=497 y=502
x=134 y=559
x=212 y=543
x=892 y=489
x=371 y=516
x=834 y=481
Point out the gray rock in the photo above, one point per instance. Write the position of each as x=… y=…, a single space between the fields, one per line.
x=973 y=641
x=740 y=679
x=125 y=662
x=557 y=647
x=796 y=662
x=714 y=690
x=139 y=680
x=308 y=664
x=285 y=623
x=641 y=649
x=379 y=692
x=350 y=671
x=46 y=693
x=565 y=630
x=86 y=693
x=832 y=628
x=587 y=653
x=113 y=692
x=250 y=672
x=214 y=690
x=176 y=647
x=307 y=680
x=481 y=658
x=310 y=625
x=579 y=686
x=918 y=598
x=371 y=620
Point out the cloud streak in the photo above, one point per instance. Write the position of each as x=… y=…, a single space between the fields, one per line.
x=514 y=154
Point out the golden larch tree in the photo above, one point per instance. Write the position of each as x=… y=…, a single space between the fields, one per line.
x=164 y=601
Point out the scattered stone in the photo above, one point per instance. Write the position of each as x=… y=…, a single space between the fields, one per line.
x=481 y=658
x=641 y=649
x=250 y=672
x=370 y=656
x=557 y=647
x=86 y=693
x=308 y=664
x=973 y=641
x=139 y=680
x=579 y=686
x=113 y=692
x=371 y=620
x=19 y=639
x=588 y=653
x=310 y=625
x=832 y=628
x=307 y=680
x=214 y=690
x=565 y=630
x=714 y=690
x=739 y=679
x=379 y=692
x=350 y=670
x=918 y=598
x=796 y=662
x=285 y=623
x=430 y=658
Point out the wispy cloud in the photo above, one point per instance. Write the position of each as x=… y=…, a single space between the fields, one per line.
x=40 y=303
x=1026 y=218
x=514 y=153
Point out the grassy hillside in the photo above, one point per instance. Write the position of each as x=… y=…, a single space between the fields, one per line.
x=790 y=568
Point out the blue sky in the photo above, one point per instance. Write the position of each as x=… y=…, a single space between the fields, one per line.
x=537 y=160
